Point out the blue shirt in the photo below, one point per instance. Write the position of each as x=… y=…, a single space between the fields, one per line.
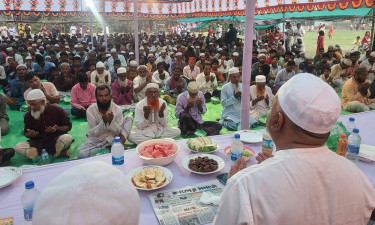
x=14 y=91
x=231 y=105
x=45 y=69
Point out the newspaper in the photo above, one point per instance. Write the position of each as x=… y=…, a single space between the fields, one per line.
x=182 y=206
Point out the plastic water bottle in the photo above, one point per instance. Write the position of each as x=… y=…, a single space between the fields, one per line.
x=236 y=149
x=350 y=126
x=28 y=200
x=117 y=152
x=267 y=142
x=45 y=157
x=354 y=142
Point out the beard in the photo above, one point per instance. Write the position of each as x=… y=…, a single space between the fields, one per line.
x=153 y=103
x=36 y=114
x=123 y=83
x=104 y=105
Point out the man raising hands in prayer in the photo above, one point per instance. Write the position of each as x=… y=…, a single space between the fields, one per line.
x=151 y=117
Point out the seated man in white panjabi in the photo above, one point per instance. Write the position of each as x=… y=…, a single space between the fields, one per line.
x=46 y=126
x=260 y=98
x=105 y=121
x=151 y=118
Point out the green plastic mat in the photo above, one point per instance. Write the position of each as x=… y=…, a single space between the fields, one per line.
x=79 y=129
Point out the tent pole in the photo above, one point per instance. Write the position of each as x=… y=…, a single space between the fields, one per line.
x=372 y=30
x=83 y=29
x=246 y=64
x=91 y=29
x=136 y=37
x=105 y=26
x=284 y=26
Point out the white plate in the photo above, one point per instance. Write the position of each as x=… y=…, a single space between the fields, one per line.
x=167 y=173
x=220 y=162
x=250 y=136
x=215 y=142
x=9 y=175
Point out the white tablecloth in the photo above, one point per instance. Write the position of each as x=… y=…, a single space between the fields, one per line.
x=10 y=197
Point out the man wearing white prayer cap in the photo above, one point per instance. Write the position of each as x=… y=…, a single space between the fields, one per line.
x=338 y=73
x=132 y=70
x=151 y=65
x=233 y=60
x=180 y=62
x=231 y=101
x=370 y=64
x=46 y=126
x=122 y=88
x=17 y=57
x=70 y=202
x=105 y=122
x=201 y=62
x=260 y=98
x=304 y=174
x=100 y=76
x=151 y=117
x=166 y=59
x=115 y=56
x=140 y=82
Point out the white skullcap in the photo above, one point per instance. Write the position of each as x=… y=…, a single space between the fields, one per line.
x=90 y=193
x=219 y=49
x=202 y=54
x=210 y=43
x=309 y=57
x=34 y=45
x=179 y=54
x=372 y=54
x=107 y=55
x=41 y=47
x=149 y=55
x=56 y=46
x=122 y=52
x=113 y=50
x=90 y=43
x=174 y=49
x=133 y=63
x=197 y=47
x=260 y=79
x=15 y=39
x=163 y=51
x=99 y=64
x=152 y=85
x=263 y=51
x=262 y=55
x=193 y=87
x=21 y=65
x=233 y=70
x=131 y=53
x=35 y=94
x=9 y=49
x=347 y=62
x=39 y=40
x=141 y=48
x=47 y=57
x=310 y=103
x=279 y=43
x=236 y=54
x=121 y=70
x=75 y=46
x=299 y=38
x=28 y=57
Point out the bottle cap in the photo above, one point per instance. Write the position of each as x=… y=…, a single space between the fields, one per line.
x=351 y=119
x=29 y=184
x=343 y=136
x=43 y=150
x=237 y=136
x=117 y=139
x=355 y=130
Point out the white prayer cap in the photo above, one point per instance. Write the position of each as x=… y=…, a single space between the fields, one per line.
x=193 y=87
x=233 y=70
x=56 y=46
x=152 y=85
x=179 y=54
x=131 y=53
x=310 y=103
x=99 y=64
x=299 y=38
x=107 y=55
x=113 y=50
x=262 y=55
x=122 y=52
x=41 y=47
x=28 y=57
x=197 y=47
x=236 y=54
x=260 y=79
x=219 y=49
x=149 y=55
x=141 y=48
x=202 y=54
x=9 y=49
x=372 y=54
x=347 y=62
x=165 y=47
x=174 y=49
x=75 y=46
x=133 y=63
x=163 y=51
x=263 y=51
x=47 y=57
x=280 y=43
x=34 y=45
x=35 y=94
x=15 y=39
x=39 y=40
x=121 y=70
x=21 y=65
x=210 y=43
x=82 y=195
x=90 y=43
x=309 y=57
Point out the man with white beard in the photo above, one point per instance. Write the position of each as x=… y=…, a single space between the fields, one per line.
x=151 y=118
x=46 y=126
x=139 y=83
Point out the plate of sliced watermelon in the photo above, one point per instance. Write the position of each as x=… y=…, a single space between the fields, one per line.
x=202 y=145
x=159 y=152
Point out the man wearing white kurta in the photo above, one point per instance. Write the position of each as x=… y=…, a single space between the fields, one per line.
x=151 y=118
x=105 y=121
x=305 y=182
x=100 y=76
x=260 y=98
x=139 y=83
